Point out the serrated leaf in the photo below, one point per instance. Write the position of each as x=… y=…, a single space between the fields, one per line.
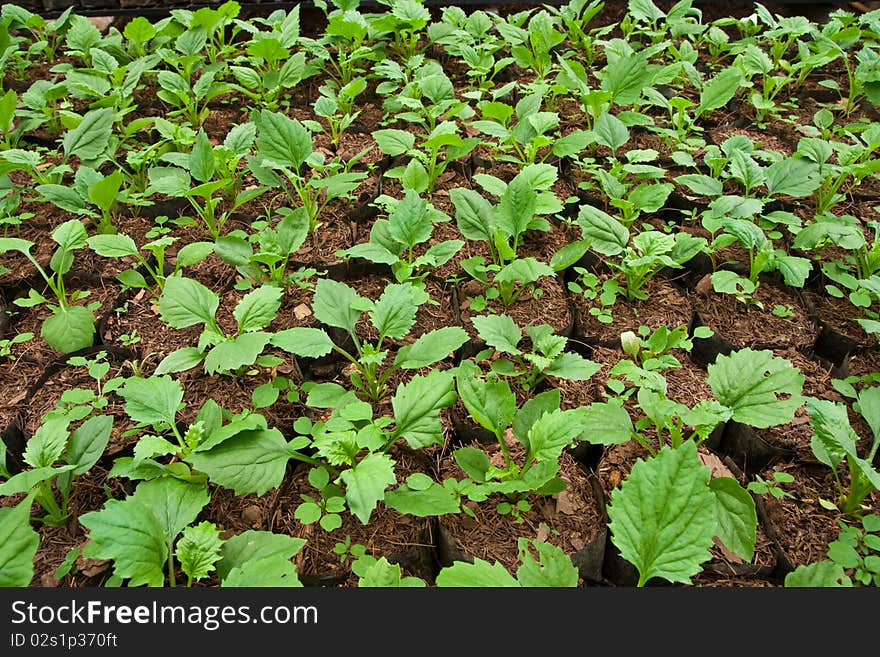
x=605 y=234
x=89 y=139
x=417 y=405
x=499 y=332
x=282 y=140
x=174 y=502
x=366 y=482
x=792 y=177
x=491 y=403
x=572 y=367
x=257 y=547
x=257 y=308
x=154 y=400
x=719 y=91
x=474 y=215
x=821 y=574
x=662 y=518
x=394 y=142
x=480 y=573
x=552 y=568
x=128 y=533
x=180 y=360
x=199 y=549
x=553 y=432
x=761 y=389
x=336 y=304
x=69 y=328
x=231 y=355
x=394 y=312
x=432 y=501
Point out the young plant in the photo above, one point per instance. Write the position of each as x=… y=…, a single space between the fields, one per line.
x=529 y=367
x=152 y=263
x=269 y=70
x=853 y=559
x=541 y=565
x=151 y=538
x=393 y=240
x=639 y=258
x=57 y=453
x=835 y=442
x=275 y=245
x=539 y=425
x=667 y=513
x=70 y=326
x=764 y=257
x=185 y=302
x=216 y=170
x=428 y=162
x=392 y=315
x=285 y=158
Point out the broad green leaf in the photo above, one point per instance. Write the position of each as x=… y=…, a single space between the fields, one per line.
x=199 y=549
x=231 y=355
x=394 y=312
x=431 y=347
x=90 y=138
x=625 y=78
x=533 y=408
x=417 y=405
x=180 y=360
x=170 y=181
x=250 y=462
x=499 y=332
x=113 y=246
x=128 y=533
x=273 y=574
x=663 y=516
x=394 y=142
x=517 y=206
x=105 y=192
x=605 y=234
x=24 y=482
x=186 y=302
x=792 y=177
x=336 y=304
x=303 y=341
x=610 y=131
x=552 y=567
x=69 y=328
x=366 y=482
x=761 y=389
x=383 y=574
x=85 y=446
x=491 y=403
x=474 y=214
x=410 y=222
x=553 y=432
x=737 y=519
x=821 y=574
x=701 y=184
x=435 y=500
x=65 y=198
x=47 y=443
x=154 y=400
x=257 y=308
x=869 y=407
x=480 y=573
x=572 y=367
x=201 y=158
x=174 y=502
x=257 y=547
x=282 y=140
x=19 y=543
x=719 y=91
